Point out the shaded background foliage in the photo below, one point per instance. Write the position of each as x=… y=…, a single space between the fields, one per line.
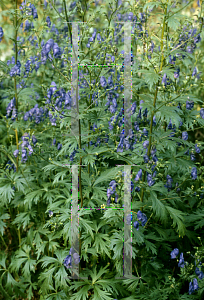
x=36 y=242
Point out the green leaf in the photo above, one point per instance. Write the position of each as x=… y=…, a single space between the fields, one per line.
x=158 y=207
x=107 y=175
x=3 y=224
x=178 y=219
x=173 y=22
x=24 y=218
x=150 y=76
x=150 y=246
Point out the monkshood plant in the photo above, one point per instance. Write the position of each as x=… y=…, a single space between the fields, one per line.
x=38 y=151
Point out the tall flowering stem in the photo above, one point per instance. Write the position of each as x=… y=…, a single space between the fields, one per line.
x=15 y=88
x=154 y=104
x=67 y=19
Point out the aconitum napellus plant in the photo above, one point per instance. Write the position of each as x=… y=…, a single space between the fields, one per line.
x=51 y=68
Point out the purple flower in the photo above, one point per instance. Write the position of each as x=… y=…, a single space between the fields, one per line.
x=189 y=105
x=185 y=135
x=145 y=132
x=68 y=262
x=199 y=273
x=59 y=146
x=164 y=79
x=137 y=189
x=30 y=150
x=103 y=81
x=133 y=108
x=136 y=225
x=168 y=182
x=139 y=215
x=194 y=173
x=176 y=74
x=174 y=253
x=145 y=144
x=197 y=149
x=202 y=113
x=142 y=217
x=72 y=5
x=15 y=71
x=129 y=219
x=170 y=125
x=48 y=46
x=146 y=158
x=181 y=262
x=50 y=213
x=1 y=33
x=24 y=156
x=139 y=175
x=154 y=157
x=192 y=157
x=34 y=140
x=150 y=181
x=194 y=72
x=56 y=51
x=76 y=258
x=144 y=220
x=15 y=153
x=193 y=286
x=48 y=21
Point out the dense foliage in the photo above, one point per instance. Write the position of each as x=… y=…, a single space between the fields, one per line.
x=38 y=151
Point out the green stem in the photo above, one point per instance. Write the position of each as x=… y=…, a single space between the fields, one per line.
x=67 y=19
x=15 y=88
x=4 y=241
x=154 y=104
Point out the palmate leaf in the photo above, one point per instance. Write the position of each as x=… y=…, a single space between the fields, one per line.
x=150 y=246
x=82 y=293
x=178 y=219
x=6 y=193
x=24 y=218
x=158 y=207
x=46 y=280
x=2 y=223
x=169 y=112
x=116 y=245
x=61 y=295
x=33 y=196
x=197 y=217
x=173 y=22
x=100 y=294
x=46 y=260
x=150 y=76
x=95 y=276
x=101 y=243
x=139 y=236
x=107 y=175
x=23 y=256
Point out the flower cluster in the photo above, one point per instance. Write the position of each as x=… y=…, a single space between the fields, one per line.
x=169 y=182
x=36 y=114
x=11 y=108
x=112 y=190
x=174 y=254
x=193 y=286
x=10 y=166
x=194 y=173
x=142 y=217
x=47 y=47
x=68 y=260
x=25 y=147
x=1 y=34
x=29 y=10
